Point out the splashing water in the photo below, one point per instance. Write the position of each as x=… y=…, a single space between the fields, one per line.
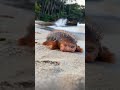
x=61 y=22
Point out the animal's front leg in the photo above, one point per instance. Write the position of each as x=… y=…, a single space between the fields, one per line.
x=51 y=44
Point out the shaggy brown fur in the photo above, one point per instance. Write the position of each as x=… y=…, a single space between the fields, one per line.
x=63 y=40
x=29 y=39
x=93 y=48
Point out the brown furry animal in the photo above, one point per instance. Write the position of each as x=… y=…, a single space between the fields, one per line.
x=62 y=40
x=29 y=39
x=93 y=48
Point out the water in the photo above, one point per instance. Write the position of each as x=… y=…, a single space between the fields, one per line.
x=61 y=22
x=79 y=29
x=79 y=32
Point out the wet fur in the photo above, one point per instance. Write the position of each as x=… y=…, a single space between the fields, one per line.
x=56 y=45
x=58 y=37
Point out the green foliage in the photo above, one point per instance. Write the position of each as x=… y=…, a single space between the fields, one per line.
x=47 y=17
x=75 y=11
x=51 y=10
x=37 y=9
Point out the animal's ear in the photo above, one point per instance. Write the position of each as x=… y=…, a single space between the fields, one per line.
x=106 y=56
x=78 y=49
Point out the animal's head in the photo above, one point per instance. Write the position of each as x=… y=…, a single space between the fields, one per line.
x=67 y=46
x=91 y=51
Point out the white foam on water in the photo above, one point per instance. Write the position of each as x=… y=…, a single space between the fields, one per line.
x=61 y=22
x=79 y=29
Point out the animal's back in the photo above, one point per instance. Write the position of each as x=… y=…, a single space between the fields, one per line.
x=58 y=35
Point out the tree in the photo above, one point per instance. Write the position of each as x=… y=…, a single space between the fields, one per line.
x=51 y=10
